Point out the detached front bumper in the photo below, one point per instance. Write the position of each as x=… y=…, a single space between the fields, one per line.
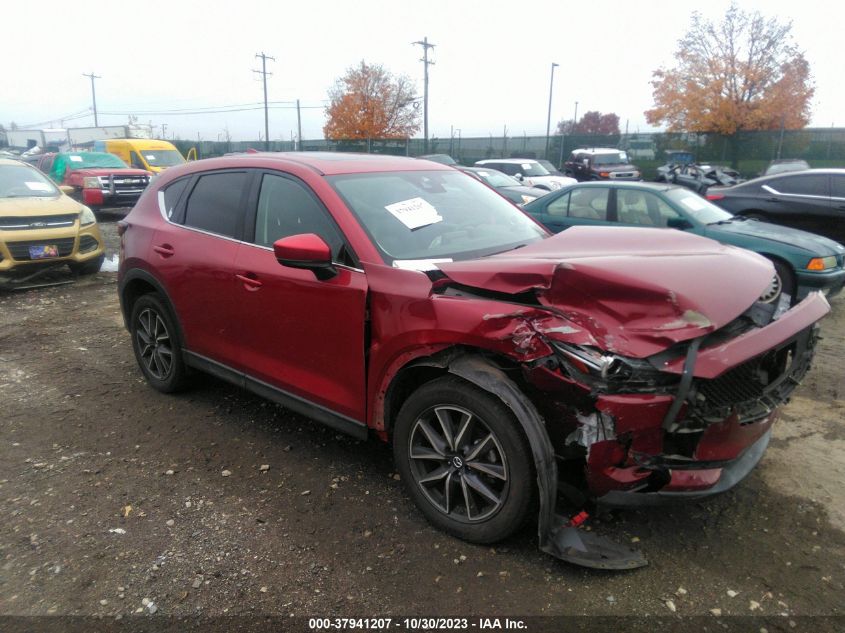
x=686 y=485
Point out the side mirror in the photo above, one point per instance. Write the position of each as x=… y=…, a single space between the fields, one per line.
x=66 y=189
x=585 y=162
x=308 y=251
x=678 y=223
x=518 y=176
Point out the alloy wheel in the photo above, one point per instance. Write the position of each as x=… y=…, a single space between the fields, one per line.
x=773 y=290
x=154 y=346
x=458 y=463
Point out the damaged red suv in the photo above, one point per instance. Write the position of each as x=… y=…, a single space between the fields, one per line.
x=505 y=365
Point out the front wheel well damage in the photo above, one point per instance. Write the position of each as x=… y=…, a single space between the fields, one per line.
x=490 y=372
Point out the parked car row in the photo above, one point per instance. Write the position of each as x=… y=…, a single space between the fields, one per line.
x=511 y=368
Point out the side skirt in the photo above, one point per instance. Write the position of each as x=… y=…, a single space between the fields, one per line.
x=337 y=421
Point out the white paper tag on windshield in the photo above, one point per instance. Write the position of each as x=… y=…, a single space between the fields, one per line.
x=526 y=166
x=421 y=265
x=38 y=186
x=76 y=159
x=150 y=156
x=414 y=213
x=693 y=204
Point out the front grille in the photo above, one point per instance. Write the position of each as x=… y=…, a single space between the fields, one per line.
x=124 y=184
x=87 y=243
x=25 y=223
x=621 y=174
x=754 y=388
x=20 y=250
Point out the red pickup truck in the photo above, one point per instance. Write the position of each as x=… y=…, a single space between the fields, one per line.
x=99 y=179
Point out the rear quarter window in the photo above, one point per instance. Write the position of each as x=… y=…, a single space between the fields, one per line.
x=169 y=197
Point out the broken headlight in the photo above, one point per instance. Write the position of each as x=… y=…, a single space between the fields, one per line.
x=612 y=369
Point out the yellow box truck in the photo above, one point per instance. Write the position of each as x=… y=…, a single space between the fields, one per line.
x=149 y=154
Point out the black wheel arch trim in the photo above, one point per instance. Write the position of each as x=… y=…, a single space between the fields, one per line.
x=143 y=275
x=555 y=535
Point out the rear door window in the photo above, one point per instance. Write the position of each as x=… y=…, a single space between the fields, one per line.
x=216 y=203
x=837 y=186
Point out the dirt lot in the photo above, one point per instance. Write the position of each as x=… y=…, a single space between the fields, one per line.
x=115 y=498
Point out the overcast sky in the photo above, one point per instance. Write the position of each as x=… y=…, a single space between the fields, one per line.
x=492 y=59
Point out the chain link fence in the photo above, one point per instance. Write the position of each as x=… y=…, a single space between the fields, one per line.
x=749 y=151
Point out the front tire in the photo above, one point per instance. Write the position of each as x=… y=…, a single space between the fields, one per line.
x=156 y=343
x=464 y=460
x=782 y=283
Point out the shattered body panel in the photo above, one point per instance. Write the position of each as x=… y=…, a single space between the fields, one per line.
x=639 y=296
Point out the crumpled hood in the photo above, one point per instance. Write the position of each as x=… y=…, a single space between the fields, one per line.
x=632 y=291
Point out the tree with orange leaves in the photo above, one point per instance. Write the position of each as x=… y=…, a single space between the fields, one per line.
x=370 y=102
x=744 y=73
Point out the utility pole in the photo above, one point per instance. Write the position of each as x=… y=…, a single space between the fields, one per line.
x=549 y=117
x=263 y=72
x=92 y=76
x=298 y=127
x=426 y=45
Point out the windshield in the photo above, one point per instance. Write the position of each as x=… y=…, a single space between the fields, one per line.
x=162 y=157
x=548 y=165
x=614 y=158
x=533 y=169
x=23 y=181
x=86 y=160
x=434 y=215
x=697 y=207
x=496 y=178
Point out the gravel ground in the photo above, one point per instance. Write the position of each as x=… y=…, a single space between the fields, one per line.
x=116 y=499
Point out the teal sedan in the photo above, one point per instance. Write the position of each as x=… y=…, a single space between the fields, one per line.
x=803 y=262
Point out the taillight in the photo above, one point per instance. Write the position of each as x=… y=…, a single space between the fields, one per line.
x=715 y=196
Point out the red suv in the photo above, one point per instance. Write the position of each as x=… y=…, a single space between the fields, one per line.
x=405 y=298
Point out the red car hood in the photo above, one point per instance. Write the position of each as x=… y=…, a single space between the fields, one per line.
x=105 y=171
x=632 y=291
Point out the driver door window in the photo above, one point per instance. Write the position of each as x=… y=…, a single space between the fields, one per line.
x=287 y=208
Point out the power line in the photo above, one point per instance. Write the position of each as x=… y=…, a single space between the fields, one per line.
x=202 y=112
x=92 y=76
x=263 y=72
x=426 y=63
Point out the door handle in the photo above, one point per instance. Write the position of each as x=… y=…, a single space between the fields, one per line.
x=249 y=280
x=165 y=250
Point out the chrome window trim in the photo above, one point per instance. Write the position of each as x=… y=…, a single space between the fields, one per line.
x=795 y=195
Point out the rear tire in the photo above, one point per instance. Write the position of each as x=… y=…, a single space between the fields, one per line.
x=464 y=460
x=156 y=343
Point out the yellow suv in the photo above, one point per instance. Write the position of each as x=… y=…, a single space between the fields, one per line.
x=41 y=228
